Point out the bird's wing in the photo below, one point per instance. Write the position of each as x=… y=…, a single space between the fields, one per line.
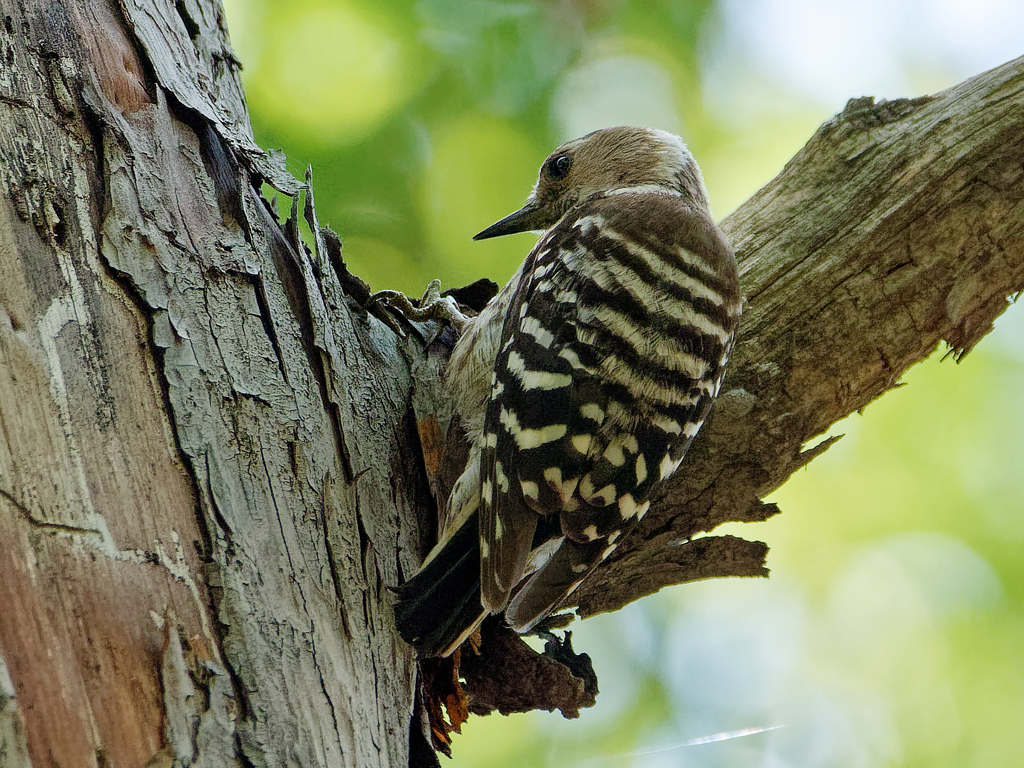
x=609 y=359
x=529 y=424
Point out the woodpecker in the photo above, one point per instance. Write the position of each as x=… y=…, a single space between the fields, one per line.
x=581 y=384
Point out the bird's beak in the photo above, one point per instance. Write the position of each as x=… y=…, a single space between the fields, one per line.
x=530 y=216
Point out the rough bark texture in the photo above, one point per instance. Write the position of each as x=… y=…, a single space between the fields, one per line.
x=208 y=474
x=898 y=226
x=209 y=464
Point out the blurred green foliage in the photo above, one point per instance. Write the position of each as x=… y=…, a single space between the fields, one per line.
x=426 y=121
x=890 y=632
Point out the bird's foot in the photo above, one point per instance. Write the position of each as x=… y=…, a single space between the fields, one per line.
x=432 y=306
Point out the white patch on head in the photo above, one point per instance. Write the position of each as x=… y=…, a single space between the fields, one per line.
x=676 y=156
x=637 y=156
x=645 y=189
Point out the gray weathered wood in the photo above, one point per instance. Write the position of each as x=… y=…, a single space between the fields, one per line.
x=207 y=452
x=897 y=227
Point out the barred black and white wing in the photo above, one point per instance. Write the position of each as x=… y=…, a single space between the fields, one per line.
x=611 y=354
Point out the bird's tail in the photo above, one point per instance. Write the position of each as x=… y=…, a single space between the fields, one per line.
x=439 y=607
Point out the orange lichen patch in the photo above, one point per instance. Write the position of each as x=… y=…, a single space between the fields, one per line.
x=83 y=649
x=444 y=699
x=432 y=443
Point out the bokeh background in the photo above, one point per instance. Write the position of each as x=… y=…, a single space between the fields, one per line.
x=891 y=632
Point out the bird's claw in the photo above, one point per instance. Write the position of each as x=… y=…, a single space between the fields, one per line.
x=432 y=306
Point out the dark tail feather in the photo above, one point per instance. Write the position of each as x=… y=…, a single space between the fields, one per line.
x=440 y=605
x=555 y=581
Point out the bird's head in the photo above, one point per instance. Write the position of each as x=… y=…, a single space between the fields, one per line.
x=609 y=161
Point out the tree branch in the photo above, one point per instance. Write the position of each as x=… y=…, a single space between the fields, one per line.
x=899 y=225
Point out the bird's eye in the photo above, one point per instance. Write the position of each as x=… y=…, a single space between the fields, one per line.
x=559 y=166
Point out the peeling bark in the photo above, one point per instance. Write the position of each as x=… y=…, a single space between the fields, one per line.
x=210 y=472
x=208 y=477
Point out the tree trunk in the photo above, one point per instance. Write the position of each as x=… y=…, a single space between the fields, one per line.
x=210 y=469
x=209 y=473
